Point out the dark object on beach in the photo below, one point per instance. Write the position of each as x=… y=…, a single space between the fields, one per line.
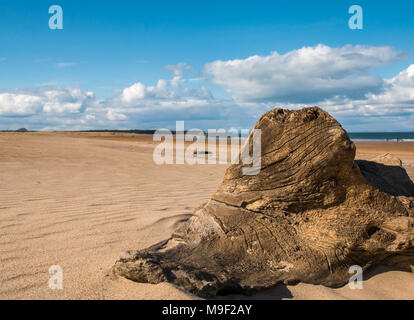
x=202 y=152
x=310 y=214
x=22 y=130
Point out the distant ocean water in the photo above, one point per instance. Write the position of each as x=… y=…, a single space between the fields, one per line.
x=381 y=136
x=362 y=136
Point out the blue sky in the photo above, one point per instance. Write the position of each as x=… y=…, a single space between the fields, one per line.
x=229 y=61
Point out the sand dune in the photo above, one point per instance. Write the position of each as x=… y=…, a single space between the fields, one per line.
x=78 y=201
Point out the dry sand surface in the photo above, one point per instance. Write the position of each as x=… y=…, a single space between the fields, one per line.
x=79 y=200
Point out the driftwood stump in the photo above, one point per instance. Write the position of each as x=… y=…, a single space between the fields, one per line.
x=310 y=214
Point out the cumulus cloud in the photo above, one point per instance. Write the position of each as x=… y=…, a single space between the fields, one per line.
x=398 y=91
x=165 y=89
x=112 y=115
x=178 y=69
x=162 y=90
x=303 y=75
x=392 y=108
x=66 y=100
x=12 y=104
x=396 y=97
x=44 y=100
x=197 y=113
x=340 y=80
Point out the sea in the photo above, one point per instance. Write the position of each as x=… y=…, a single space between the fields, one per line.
x=361 y=136
x=381 y=136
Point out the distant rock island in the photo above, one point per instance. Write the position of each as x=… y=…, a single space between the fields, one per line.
x=309 y=215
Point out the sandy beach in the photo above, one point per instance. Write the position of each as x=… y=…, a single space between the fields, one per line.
x=78 y=200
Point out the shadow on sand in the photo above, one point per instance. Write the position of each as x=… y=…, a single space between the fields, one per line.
x=390 y=179
x=278 y=292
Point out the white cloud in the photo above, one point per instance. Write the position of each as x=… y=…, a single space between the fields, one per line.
x=48 y=100
x=12 y=104
x=396 y=97
x=138 y=91
x=178 y=69
x=339 y=80
x=68 y=100
x=391 y=109
x=164 y=90
x=303 y=75
x=398 y=90
x=112 y=115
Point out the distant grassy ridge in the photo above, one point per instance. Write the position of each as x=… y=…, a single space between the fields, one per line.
x=133 y=131
x=353 y=135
